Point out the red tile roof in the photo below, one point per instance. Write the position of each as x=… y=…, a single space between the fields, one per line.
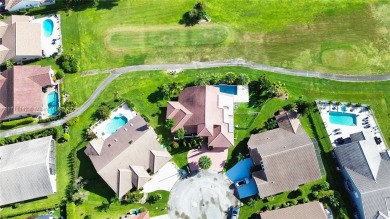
x=198 y=113
x=21 y=89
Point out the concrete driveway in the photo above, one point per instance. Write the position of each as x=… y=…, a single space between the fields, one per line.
x=204 y=195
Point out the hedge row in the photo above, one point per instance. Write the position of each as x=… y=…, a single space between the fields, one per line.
x=34 y=135
x=13 y=123
x=50 y=119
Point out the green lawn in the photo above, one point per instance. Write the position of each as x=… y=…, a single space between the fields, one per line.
x=295 y=34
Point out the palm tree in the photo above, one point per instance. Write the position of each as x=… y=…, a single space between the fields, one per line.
x=271 y=124
x=349 y=104
x=216 y=79
x=175 y=88
x=243 y=79
x=368 y=108
x=202 y=80
x=230 y=77
x=204 y=162
x=278 y=89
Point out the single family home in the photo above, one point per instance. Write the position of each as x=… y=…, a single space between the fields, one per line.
x=21 y=91
x=366 y=171
x=311 y=210
x=27 y=170
x=126 y=158
x=284 y=157
x=206 y=112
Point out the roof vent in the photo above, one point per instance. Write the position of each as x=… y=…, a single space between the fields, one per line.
x=109 y=145
x=131 y=141
x=116 y=140
x=285 y=146
x=125 y=129
x=131 y=124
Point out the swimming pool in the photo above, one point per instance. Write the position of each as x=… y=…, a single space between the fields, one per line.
x=52 y=103
x=342 y=118
x=48 y=26
x=228 y=89
x=115 y=123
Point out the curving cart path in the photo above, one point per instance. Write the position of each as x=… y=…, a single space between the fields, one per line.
x=114 y=73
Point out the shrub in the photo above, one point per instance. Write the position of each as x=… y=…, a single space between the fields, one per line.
x=251 y=203
x=66 y=137
x=50 y=119
x=324 y=186
x=175 y=144
x=294 y=202
x=68 y=63
x=180 y=133
x=305 y=200
x=103 y=112
x=68 y=107
x=72 y=121
x=146 y=118
x=16 y=205
x=88 y=217
x=204 y=162
x=133 y=197
x=169 y=123
x=13 y=123
x=270 y=198
x=9 y=64
x=230 y=78
x=60 y=75
x=154 y=198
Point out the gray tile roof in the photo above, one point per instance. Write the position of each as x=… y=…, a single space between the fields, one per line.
x=24 y=173
x=288 y=157
x=358 y=136
x=360 y=163
x=130 y=145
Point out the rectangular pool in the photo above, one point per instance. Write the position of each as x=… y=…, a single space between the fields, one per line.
x=228 y=89
x=342 y=118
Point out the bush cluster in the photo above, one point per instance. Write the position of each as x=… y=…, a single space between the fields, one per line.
x=50 y=119
x=68 y=63
x=25 y=137
x=13 y=123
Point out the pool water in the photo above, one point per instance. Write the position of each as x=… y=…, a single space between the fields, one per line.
x=342 y=118
x=48 y=26
x=228 y=89
x=115 y=124
x=52 y=103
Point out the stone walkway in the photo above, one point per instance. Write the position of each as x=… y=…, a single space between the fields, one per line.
x=114 y=73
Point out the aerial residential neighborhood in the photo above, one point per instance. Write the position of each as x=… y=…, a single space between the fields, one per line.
x=194 y=109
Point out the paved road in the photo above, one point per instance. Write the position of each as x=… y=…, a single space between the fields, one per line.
x=194 y=65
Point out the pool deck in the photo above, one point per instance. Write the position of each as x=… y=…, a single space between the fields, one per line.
x=47 y=42
x=242 y=94
x=100 y=127
x=345 y=130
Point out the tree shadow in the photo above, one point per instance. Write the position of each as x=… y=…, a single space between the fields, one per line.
x=240 y=148
x=106 y=4
x=155 y=97
x=95 y=184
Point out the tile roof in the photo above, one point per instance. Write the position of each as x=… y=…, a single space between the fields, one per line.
x=18 y=81
x=202 y=111
x=17 y=33
x=309 y=210
x=143 y=215
x=370 y=173
x=24 y=171
x=288 y=158
x=131 y=147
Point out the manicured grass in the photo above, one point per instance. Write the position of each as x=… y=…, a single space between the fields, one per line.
x=295 y=34
x=62 y=152
x=81 y=88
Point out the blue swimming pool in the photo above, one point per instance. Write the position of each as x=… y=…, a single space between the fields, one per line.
x=48 y=26
x=52 y=103
x=115 y=124
x=342 y=118
x=228 y=89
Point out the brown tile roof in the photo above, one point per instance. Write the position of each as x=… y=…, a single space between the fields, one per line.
x=288 y=121
x=129 y=148
x=16 y=83
x=309 y=210
x=18 y=33
x=198 y=113
x=289 y=160
x=143 y=215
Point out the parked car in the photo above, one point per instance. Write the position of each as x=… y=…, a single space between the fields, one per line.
x=242 y=182
x=234 y=213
